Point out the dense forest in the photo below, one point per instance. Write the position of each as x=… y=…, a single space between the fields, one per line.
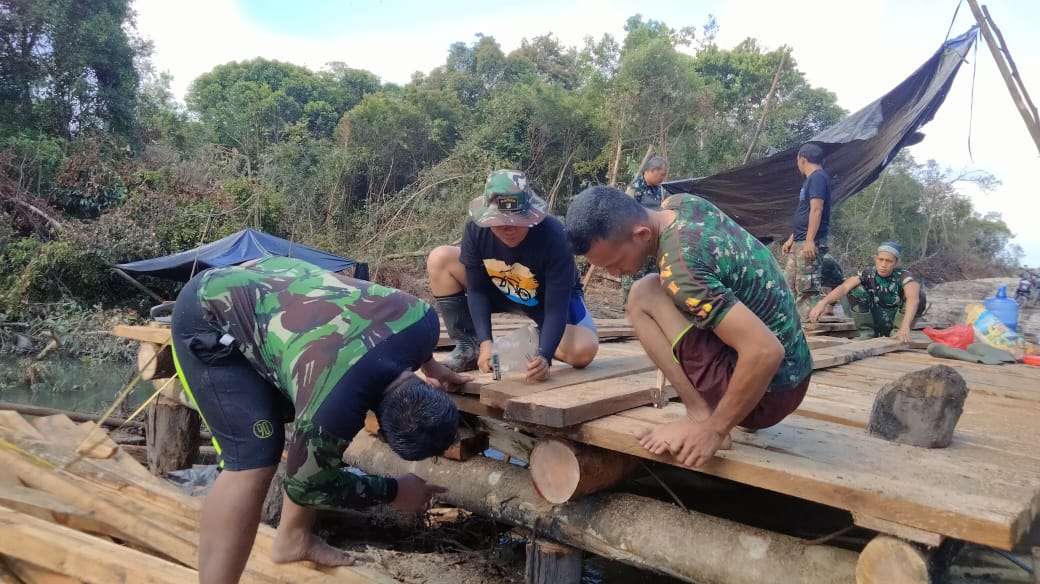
x=99 y=163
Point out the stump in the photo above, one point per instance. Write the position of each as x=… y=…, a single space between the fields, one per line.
x=920 y=408
x=172 y=435
x=155 y=361
x=562 y=471
x=552 y=563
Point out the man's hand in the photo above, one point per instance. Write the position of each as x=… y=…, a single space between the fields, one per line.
x=903 y=334
x=788 y=245
x=441 y=377
x=809 y=250
x=484 y=360
x=413 y=494
x=817 y=311
x=537 y=369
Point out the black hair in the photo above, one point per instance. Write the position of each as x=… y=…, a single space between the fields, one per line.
x=601 y=212
x=417 y=421
x=811 y=152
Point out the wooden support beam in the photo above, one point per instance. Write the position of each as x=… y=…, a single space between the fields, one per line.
x=149 y=334
x=631 y=529
x=552 y=563
x=172 y=432
x=886 y=560
x=563 y=471
x=155 y=361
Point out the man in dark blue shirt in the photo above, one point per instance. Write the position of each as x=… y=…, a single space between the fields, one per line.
x=812 y=219
x=514 y=258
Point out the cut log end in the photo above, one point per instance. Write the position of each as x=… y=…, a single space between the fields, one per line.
x=155 y=361
x=552 y=563
x=562 y=471
x=887 y=559
x=920 y=408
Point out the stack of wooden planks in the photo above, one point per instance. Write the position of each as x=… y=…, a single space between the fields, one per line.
x=103 y=518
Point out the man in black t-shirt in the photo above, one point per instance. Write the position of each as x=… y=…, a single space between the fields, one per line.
x=514 y=258
x=812 y=219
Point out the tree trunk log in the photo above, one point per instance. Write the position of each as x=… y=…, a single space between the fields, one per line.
x=172 y=436
x=552 y=563
x=563 y=471
x=627 y=528
x=888 y=559
x=155 y=361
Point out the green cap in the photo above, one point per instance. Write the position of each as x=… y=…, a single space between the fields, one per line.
x=508 y=199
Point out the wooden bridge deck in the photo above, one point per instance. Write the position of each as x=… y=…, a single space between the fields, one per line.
x=983 y=488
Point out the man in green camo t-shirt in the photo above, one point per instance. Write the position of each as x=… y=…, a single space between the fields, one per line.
x=280 y=340
x=720 y=321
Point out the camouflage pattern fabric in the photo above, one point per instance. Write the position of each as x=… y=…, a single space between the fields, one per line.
x=302 y=328
x=649 y=267
x=708 y=263
x=805 y=277
x=884 y=299
x=647 y=195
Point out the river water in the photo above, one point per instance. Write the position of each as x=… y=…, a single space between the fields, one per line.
x=68 y=383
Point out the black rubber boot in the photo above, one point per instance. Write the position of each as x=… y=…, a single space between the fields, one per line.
x=455 y=313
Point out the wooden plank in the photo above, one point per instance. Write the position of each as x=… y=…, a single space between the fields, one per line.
x=33 y=574
x=567 y=406
x=822 y=342
x=13 y=421
x=498 y=393
x=897 y=529
x=142 y=333
x=48 y=507
x=60 y=429
x=855 y=351
x=90 y=559
x=822 y=462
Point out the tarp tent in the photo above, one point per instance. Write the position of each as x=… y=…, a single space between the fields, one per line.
x=762 y=195
x=247 y=244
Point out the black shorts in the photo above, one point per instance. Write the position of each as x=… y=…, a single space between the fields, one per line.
x=247 y=414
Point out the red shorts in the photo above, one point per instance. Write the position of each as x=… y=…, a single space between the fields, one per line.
x=709 y=363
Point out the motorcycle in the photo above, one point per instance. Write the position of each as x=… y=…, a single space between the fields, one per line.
x=1024 y=292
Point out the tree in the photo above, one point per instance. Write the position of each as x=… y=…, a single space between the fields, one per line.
x=67 y=67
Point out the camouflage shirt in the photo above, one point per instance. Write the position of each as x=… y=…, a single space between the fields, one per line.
x=886 y=292
x=647 y=195
x=709 y=263
x=302 y=328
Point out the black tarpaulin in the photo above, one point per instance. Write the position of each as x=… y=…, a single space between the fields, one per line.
x=235 y=249
x=763 y=194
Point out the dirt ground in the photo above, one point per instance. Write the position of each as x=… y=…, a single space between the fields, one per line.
x=451 y=546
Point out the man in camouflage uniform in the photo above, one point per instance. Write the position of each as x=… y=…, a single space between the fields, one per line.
x=280 y=340
x=720 y=321
x=647 y=190
x=880 y=297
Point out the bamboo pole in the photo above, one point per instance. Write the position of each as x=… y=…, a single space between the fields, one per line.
x=987 y=33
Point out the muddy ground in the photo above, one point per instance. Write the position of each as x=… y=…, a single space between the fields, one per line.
x=450 y=546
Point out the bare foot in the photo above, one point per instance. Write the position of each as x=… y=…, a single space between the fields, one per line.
x=308 y=548
x=674 y=435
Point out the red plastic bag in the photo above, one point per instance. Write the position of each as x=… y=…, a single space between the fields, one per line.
x=958 y=336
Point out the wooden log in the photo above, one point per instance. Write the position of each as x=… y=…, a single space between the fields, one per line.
x=562 y=471
x=627 y=528
x=552 y=563
x=155 y=361
x=469 y=444
x=31 y=410
x=920 y=408
x=886 y=560
x=172 y=433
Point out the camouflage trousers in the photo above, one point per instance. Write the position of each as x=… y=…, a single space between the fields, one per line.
x=868 y=315
x=804 y=277
x=649 y=267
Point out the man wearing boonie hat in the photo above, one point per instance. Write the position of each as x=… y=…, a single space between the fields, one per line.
x=514 y=258
x=880 y=297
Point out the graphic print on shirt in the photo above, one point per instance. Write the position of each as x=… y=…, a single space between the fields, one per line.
x=514 y=280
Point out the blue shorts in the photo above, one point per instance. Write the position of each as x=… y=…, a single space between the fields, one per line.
x=577 y=314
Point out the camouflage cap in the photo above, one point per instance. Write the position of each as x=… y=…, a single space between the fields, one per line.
x=508 y=199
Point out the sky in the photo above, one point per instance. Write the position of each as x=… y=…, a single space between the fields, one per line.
x=858 y=49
